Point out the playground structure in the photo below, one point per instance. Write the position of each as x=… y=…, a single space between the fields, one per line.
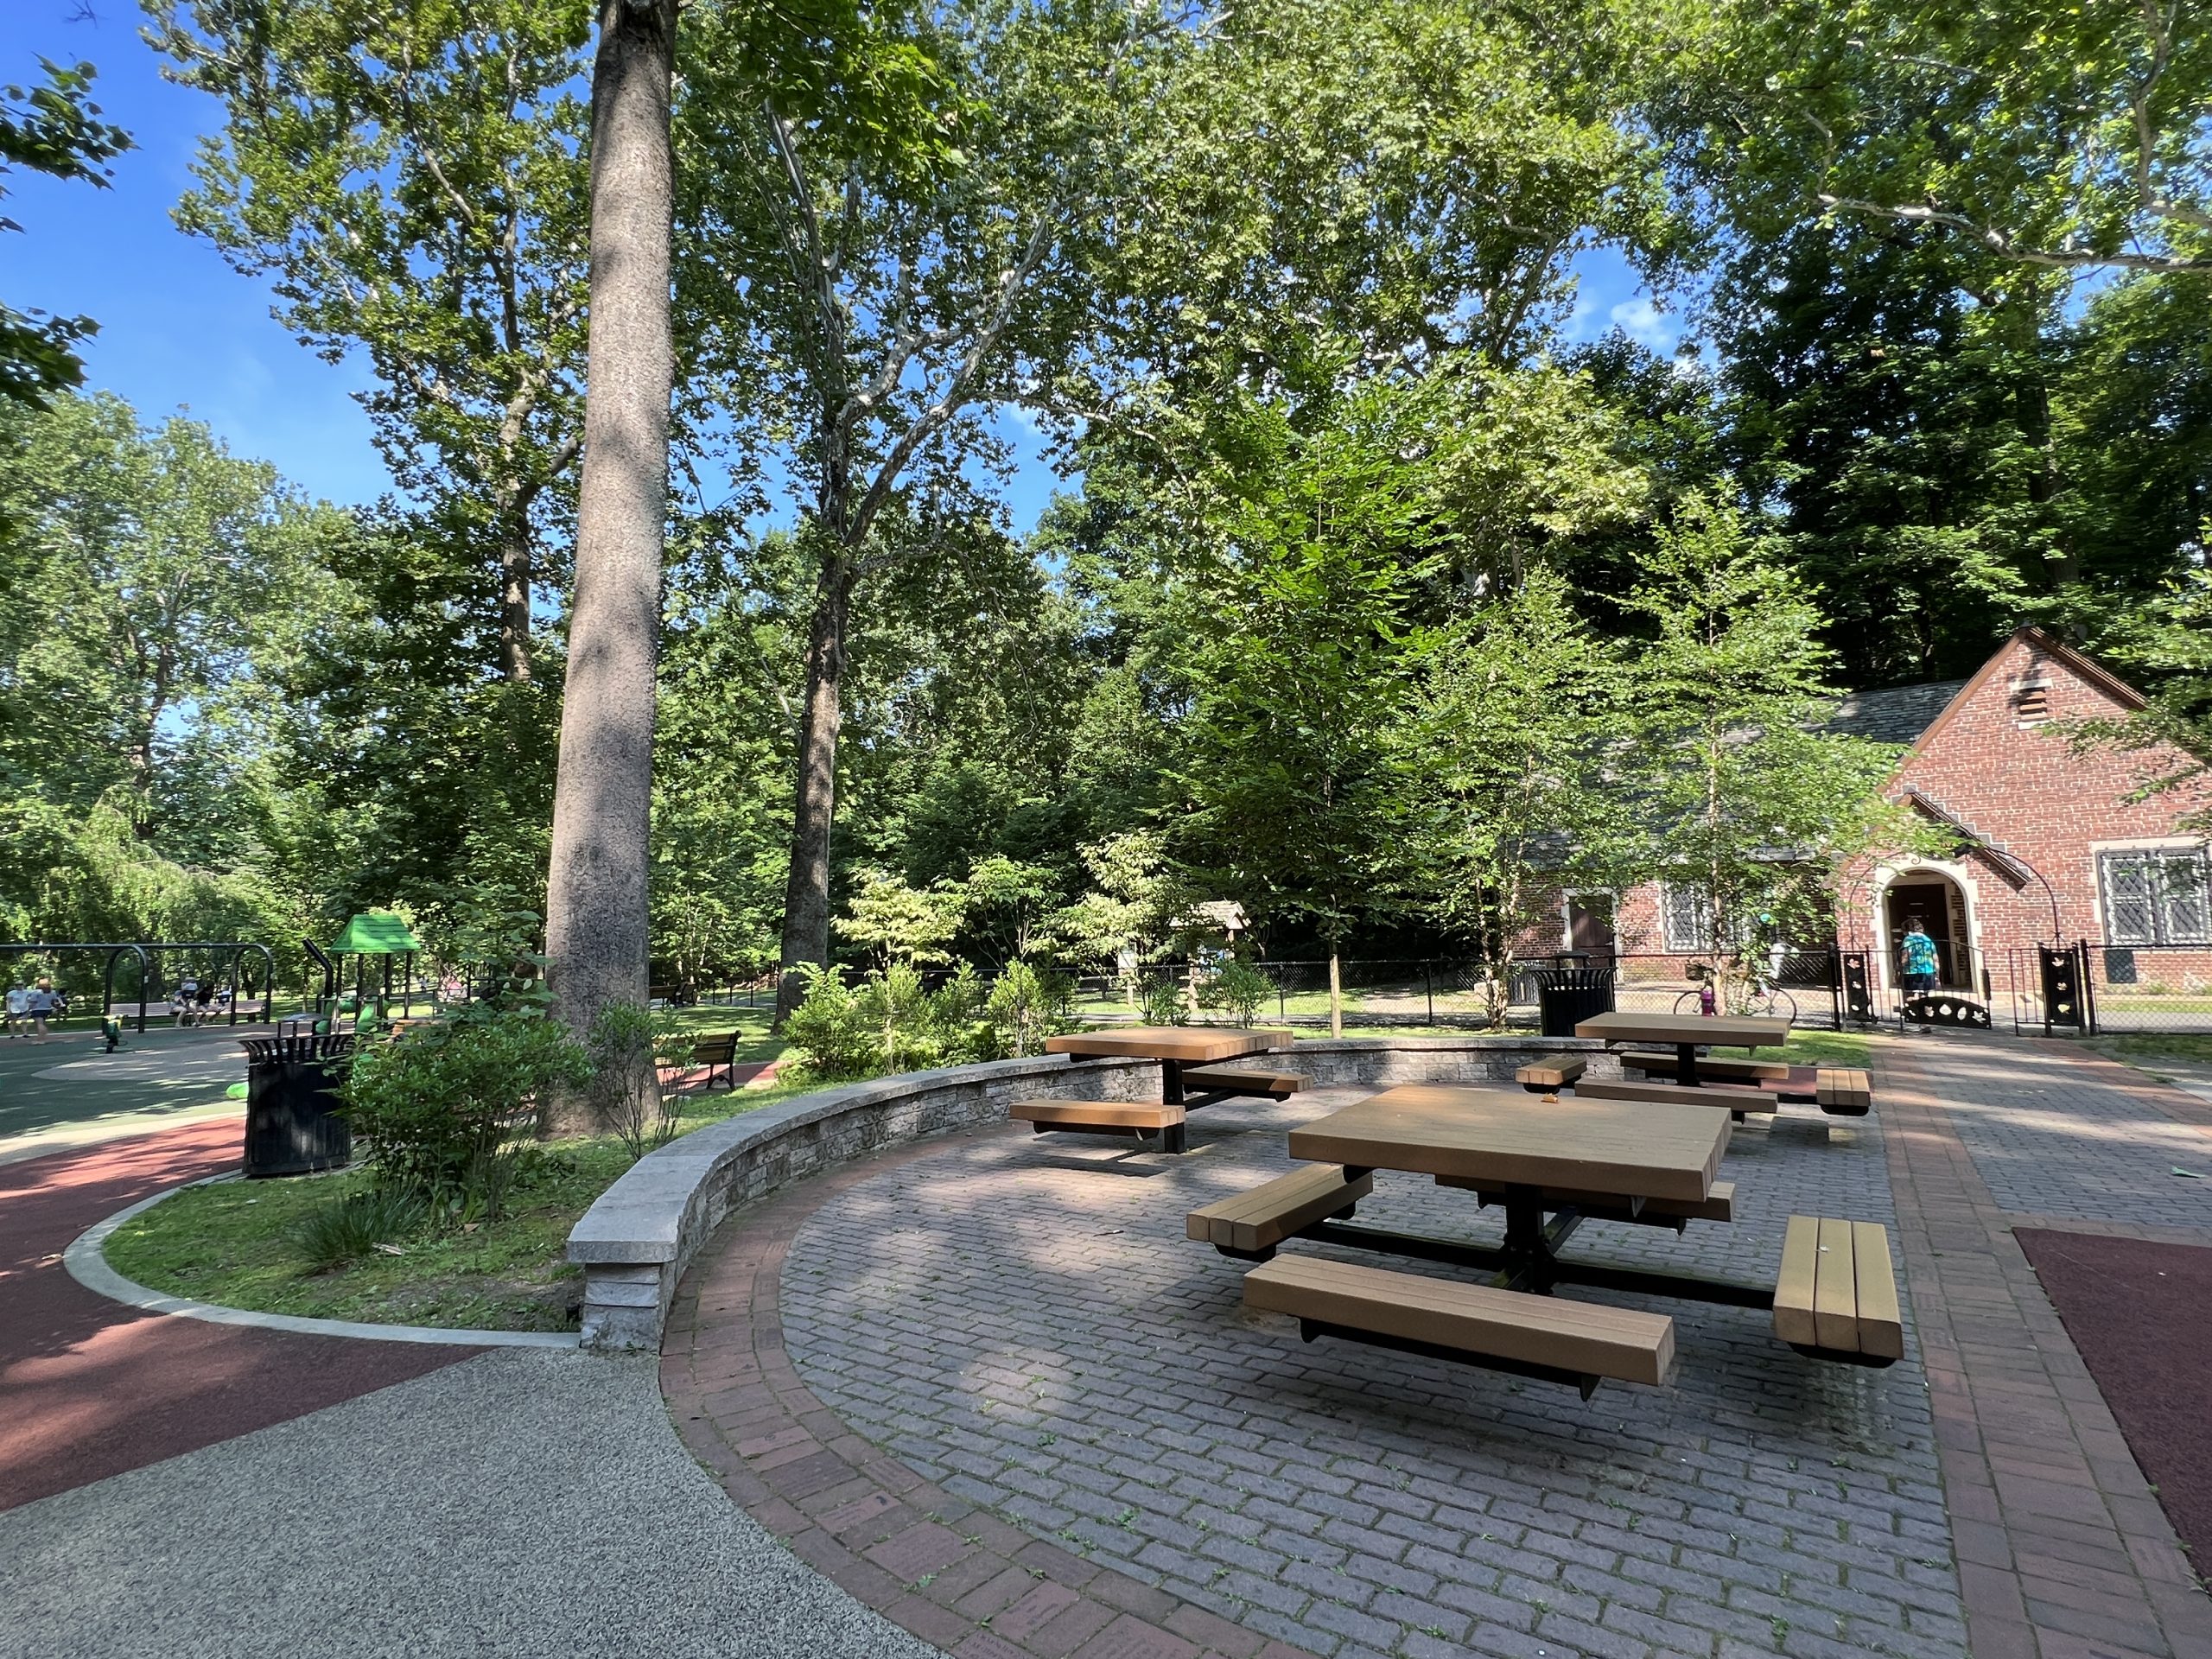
x=146 y=951
x=371 y=933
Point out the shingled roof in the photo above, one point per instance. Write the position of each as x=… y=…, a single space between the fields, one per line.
x=1897 y=714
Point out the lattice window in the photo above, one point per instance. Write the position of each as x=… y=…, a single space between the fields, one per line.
x=1684 y=919
x=2157 y=898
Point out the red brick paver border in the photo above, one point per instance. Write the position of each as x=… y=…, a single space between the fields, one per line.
x=953 y=1574
x=2063 y=1552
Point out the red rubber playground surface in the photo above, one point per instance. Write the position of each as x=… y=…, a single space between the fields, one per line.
x=90 y=1388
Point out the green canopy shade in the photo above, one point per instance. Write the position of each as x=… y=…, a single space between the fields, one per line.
x=376 y=933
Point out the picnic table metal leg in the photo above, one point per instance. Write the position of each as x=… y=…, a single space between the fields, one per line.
x=1171 y=1082
x=1685 y=1065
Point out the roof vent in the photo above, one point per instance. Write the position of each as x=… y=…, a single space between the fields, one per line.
x=2031 y=704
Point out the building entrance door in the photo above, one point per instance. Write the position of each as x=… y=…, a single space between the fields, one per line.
x=1590 y=924
x=1940 y=908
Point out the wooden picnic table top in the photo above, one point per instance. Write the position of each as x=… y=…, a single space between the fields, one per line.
x=1186 y=1044
x=1728 y=1030
x=1634 y=1149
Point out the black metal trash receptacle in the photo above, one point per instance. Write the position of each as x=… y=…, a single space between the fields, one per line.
x=1566 y=995
x=292 y=1122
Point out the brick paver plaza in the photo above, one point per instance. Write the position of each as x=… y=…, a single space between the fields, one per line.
x=987 y=1384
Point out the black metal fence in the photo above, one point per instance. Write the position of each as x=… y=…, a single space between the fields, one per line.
x=2091 y=987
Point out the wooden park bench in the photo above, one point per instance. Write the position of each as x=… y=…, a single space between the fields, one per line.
x=1250 y=1224
x=1719 y=1204
x=1544 y=1337
x=1836 y=1297
x=1544 y=1076
x=717 y=1054
x=1139 y=1118
x=1786 y=1081
x=1844 y=1091
x=1737 y=1100
x=1234 y=1080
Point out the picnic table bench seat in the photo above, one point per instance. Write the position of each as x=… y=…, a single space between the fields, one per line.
x=1789 y=1081
x=1844 y=1091
x=1538 y=1076
x=1719 y=1204
x=1139 y=1118
x=1737 y=1099
x=1836 y=1297
x=1250 y=1224
x=1238 y=1080
x=1577 y=1342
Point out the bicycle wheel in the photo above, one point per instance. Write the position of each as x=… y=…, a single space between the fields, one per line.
x=1687 y=1003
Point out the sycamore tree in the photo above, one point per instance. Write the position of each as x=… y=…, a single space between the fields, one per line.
x=412 y=181
x=54 y=128
x=1520 y=711
x=1744 y=798
x=865 y=291
x=2061 y=138
x=1301 y=798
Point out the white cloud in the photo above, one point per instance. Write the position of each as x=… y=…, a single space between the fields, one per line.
x=1644 y=323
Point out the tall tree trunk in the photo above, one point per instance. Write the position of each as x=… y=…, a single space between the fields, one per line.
x=1335 y=995
x=514 y=592
x=806 y=892
x=596 y=916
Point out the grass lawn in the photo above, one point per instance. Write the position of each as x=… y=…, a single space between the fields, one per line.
x=2146 y=1049
x=232 y=1243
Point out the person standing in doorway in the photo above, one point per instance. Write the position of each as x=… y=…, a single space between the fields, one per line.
x=1919 y=953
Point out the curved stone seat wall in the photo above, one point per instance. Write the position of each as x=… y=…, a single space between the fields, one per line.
x=635 y=1243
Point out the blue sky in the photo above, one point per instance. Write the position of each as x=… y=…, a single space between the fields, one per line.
x=180 y=329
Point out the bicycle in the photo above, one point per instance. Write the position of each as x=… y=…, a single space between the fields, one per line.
x=1762 y=998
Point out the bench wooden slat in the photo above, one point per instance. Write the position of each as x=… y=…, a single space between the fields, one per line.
x=1550 y=1074
x=1881 y=1325
x=1844 y=1090
x=1263 y=1217
x=1720 y=1204
x=1789 y=1081
x=1478 y=1320
x=1105 y=1114
x=1276 y=1085
x=1835 y=1289
x=1793 y=1287
x=1733 y=1098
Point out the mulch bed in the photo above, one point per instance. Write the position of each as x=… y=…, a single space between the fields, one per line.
x=2142 y=1315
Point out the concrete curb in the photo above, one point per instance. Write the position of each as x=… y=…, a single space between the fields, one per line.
x=87 y=1260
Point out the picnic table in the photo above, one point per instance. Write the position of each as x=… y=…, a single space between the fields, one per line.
x=1180 y=1050
x=1550 y=1165
x=1630 y=1160
x=1685 y=1032
x=1174 y=1047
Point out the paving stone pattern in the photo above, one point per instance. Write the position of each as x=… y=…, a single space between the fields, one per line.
x=2060 y=1135
x=2063 y=1552
x=1021 y=1322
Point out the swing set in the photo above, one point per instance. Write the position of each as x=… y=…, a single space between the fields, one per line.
x=225 y=954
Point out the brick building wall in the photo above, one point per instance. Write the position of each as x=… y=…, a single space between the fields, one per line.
x=1997 y=762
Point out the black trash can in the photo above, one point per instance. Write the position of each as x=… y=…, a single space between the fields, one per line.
x=1567 y=996
x=293 y=1126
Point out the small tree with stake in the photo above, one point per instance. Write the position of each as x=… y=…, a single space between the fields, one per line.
x=1744 y=794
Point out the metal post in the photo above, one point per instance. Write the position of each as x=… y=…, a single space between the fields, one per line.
x=1429 y=986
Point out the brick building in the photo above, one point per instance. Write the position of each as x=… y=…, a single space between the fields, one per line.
x=2053 y=846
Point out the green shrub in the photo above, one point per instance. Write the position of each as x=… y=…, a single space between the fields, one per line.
x=832 y=1033
x=444 y=1107
x=631 y=1046
x=1026 y=1007
x=1239 y=987
x=1164 y=1004
x=344 y=1231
